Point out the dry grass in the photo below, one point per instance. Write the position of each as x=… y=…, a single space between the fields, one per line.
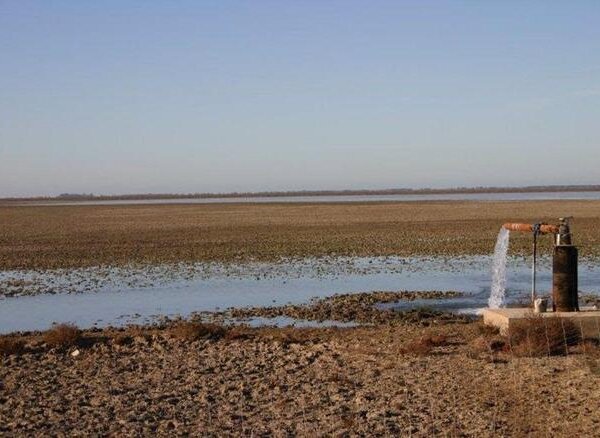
x=487 y=330
x=484 y=344
x=192 y=331
x=122 y=339
x=486 y=340
x=425 y=344
x=76 y=236
x=291 y=335
x=492 y=349
x=238 y=333
x=538 y=336
x=10 y=346
x=590 y=349
x=62 y=335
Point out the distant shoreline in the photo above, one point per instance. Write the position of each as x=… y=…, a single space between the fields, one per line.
x=304 y=193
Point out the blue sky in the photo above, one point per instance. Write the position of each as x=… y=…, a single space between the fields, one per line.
x=218 y=96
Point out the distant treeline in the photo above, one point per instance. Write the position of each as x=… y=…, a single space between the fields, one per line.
x=424 y=191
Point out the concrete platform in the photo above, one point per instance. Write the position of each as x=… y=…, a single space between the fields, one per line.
x=587 y=319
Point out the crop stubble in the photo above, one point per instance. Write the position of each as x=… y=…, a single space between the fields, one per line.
x=42 y=237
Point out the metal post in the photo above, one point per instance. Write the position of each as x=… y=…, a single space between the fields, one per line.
x=536 y=231
x=533 y=269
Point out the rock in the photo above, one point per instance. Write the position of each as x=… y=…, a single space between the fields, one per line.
x=75 y=353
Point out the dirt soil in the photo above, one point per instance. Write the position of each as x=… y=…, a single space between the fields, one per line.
x=390 y=379
x=42 y=237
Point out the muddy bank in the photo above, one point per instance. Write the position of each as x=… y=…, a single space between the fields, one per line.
x=123 y=309
x=360 y=308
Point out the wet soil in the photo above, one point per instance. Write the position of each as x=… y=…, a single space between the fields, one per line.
x=360 y=308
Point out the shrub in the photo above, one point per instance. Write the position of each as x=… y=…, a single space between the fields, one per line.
x=543 y=336
x=10 y=345
x=488 y=330
x=287 y=335
x=122 y=339
x=62 y=335
x=192 y=331
x=435 y=340
x=425 y=344
x=238 y=333
x=489 y=346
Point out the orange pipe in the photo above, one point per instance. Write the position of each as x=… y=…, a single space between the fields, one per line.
x=544 y=228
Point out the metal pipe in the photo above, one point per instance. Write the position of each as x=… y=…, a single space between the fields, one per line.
x=564 y=232
x=564 y=263
x=529 y=228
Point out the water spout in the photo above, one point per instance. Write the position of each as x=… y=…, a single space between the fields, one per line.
x=498 y=295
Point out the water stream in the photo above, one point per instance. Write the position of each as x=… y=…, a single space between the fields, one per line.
x=498 y=290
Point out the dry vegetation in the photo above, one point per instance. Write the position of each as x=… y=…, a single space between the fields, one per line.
x=192 y=331
x=425 y=343
x=440 y=378
x=537 y=336
x=10 y=345
x=74 y=236
x=62 y=336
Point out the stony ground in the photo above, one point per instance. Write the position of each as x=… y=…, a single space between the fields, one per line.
x=36 y=237
x=421 y=379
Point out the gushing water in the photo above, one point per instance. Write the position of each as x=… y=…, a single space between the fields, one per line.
x=498 y=295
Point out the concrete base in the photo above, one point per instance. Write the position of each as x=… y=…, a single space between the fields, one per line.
x=588 y=319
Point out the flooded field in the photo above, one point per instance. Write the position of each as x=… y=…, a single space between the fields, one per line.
x=33 y=300
x=516 y=196
x=106 y=265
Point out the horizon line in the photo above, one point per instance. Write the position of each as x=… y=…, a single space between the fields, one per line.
x=298 y=193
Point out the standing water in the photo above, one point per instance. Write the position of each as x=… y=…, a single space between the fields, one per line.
x=498 y=294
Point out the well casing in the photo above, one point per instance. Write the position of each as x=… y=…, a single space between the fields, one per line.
x=564 y=279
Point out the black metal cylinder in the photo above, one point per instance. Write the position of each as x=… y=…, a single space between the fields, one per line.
x=564 y=279
x=564 y=233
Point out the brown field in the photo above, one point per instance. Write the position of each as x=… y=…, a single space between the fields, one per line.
x=420 y=373
x=434 y=378
x=76 y=236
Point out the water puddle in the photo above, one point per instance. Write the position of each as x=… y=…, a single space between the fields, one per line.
x=108 y=296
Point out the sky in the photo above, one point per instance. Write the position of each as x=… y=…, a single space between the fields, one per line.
x=118 y=97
